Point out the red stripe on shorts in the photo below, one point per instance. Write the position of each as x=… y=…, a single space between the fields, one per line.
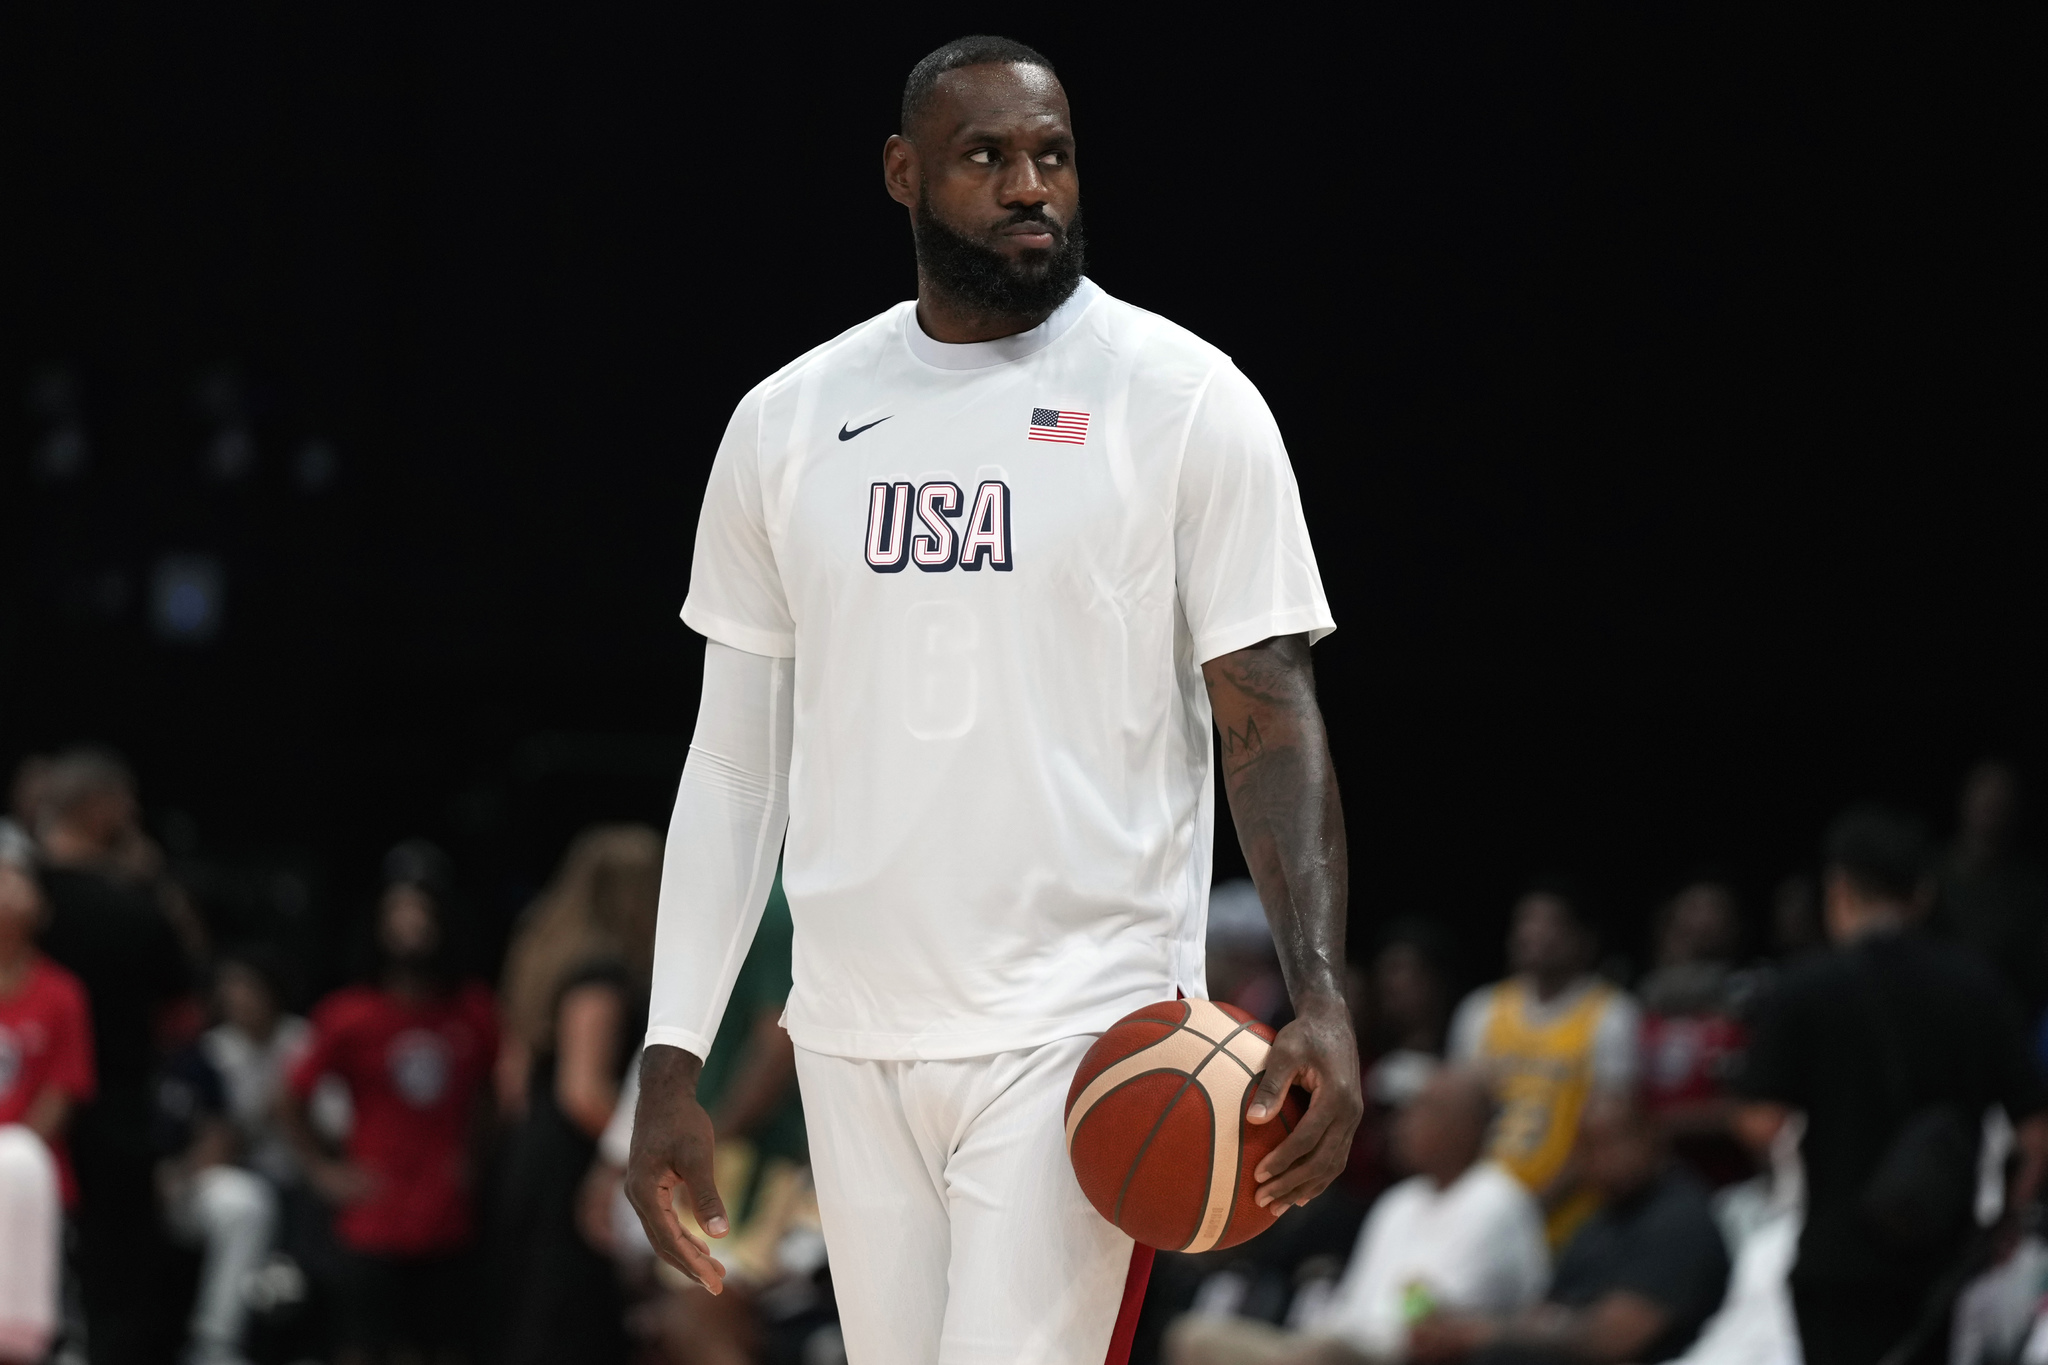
x=1127 y=1313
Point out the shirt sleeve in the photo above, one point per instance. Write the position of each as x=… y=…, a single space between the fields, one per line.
x=1246 y=569
x=1359 y=1312
x=1468 y=1025
x=736 y=595
x=1618 y=1044
x=732 y=809
x=1522 y=1252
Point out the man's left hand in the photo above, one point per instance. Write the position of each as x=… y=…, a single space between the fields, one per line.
x=1319 y=1053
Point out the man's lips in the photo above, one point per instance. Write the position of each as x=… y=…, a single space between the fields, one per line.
x=1032 y=234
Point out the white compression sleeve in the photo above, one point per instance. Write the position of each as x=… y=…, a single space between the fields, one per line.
x=723 y=842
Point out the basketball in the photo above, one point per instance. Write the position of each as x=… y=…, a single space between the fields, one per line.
x=1156 y=1124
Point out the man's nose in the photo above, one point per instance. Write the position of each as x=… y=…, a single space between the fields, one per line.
x=1022 y=185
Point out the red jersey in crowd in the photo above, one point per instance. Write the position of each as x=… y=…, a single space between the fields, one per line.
x=414 y=1071
x=1688 y=1058
x=45 y=1043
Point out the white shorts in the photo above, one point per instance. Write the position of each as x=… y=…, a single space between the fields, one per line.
x=957 y=1232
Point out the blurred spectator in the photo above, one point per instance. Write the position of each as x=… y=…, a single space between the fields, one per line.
x=1795 y=918
x=1411 y=1011
x=415 y=1048
x=1242 y=967
x=1635 y=1283
x=772 y=1301
x=1692 y=1032
x=86 y=815
x=110 y=931
x=1551 y=1036
x=46 y=1067
x=229 y=1213
x=576 y=983
x=1403 y=1013
x=254 y=1047
x=1460 y=1234
x=1991 y=898
x=1893 y=1046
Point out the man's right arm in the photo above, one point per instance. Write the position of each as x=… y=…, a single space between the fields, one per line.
x=723 y=841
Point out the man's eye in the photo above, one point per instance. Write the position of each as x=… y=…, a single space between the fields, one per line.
x=983 y=157
x=1053 y=159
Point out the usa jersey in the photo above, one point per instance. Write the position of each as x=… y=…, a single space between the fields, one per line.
x=998 y=568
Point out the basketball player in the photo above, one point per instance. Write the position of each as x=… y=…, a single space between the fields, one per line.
x=975 y=577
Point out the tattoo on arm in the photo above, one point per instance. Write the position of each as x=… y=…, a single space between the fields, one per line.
x=1284 y=801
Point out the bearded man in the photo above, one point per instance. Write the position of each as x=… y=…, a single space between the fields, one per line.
x=976 y=578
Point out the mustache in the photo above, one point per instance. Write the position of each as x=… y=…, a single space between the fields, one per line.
x=1035 y=214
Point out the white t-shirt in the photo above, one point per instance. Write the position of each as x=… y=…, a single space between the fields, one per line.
x=252 y=1074
x=1476 y=1246
x=998 y=568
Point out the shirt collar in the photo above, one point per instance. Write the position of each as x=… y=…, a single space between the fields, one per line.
x=979 y=355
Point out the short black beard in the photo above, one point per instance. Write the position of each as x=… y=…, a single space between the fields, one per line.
x=989 y=282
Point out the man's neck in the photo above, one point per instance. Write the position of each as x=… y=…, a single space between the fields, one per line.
x=1547 y=986
x=1445 y=1177
x=948 y=319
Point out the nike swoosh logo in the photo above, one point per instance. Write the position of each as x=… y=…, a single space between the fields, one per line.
x=846 y=435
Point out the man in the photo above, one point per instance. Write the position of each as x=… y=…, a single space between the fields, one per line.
x=46 y=1069
x=1459 y=1235
x=1637 y=1282
x=230 y=1214
x=415 y=1049
x=1893 y=1046
x=1552 y=1035
x=976 y=575
x=108 y=927
x=1993 y=898
x=1693 y=1034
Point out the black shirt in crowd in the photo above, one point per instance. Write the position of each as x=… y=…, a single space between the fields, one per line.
x=1860 y=1040
x=1663 y=1245
x=119 y=944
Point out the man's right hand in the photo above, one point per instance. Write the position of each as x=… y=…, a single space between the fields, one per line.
x=672 y=1145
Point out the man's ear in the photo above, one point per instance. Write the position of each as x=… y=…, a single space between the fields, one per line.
x=901 y=172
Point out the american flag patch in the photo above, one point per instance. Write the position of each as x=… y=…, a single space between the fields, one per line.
x=1050 y=424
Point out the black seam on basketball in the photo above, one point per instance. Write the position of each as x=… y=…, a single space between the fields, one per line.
x=1145 y=1146
x=1120 y=1085
x=1190 y=1028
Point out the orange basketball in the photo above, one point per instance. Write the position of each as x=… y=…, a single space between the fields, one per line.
x=1156 y=1127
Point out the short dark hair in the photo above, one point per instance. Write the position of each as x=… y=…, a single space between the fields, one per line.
x=1882 y=851
x=975 y=50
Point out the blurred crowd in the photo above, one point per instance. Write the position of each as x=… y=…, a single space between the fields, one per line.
x=1815 y=1135
x=1816 y=1132
x=420 y=1168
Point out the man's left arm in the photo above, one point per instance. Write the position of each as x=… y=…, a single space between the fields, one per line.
x=1290 y=823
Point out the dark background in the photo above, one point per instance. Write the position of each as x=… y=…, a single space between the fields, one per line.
x=1654 y=383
